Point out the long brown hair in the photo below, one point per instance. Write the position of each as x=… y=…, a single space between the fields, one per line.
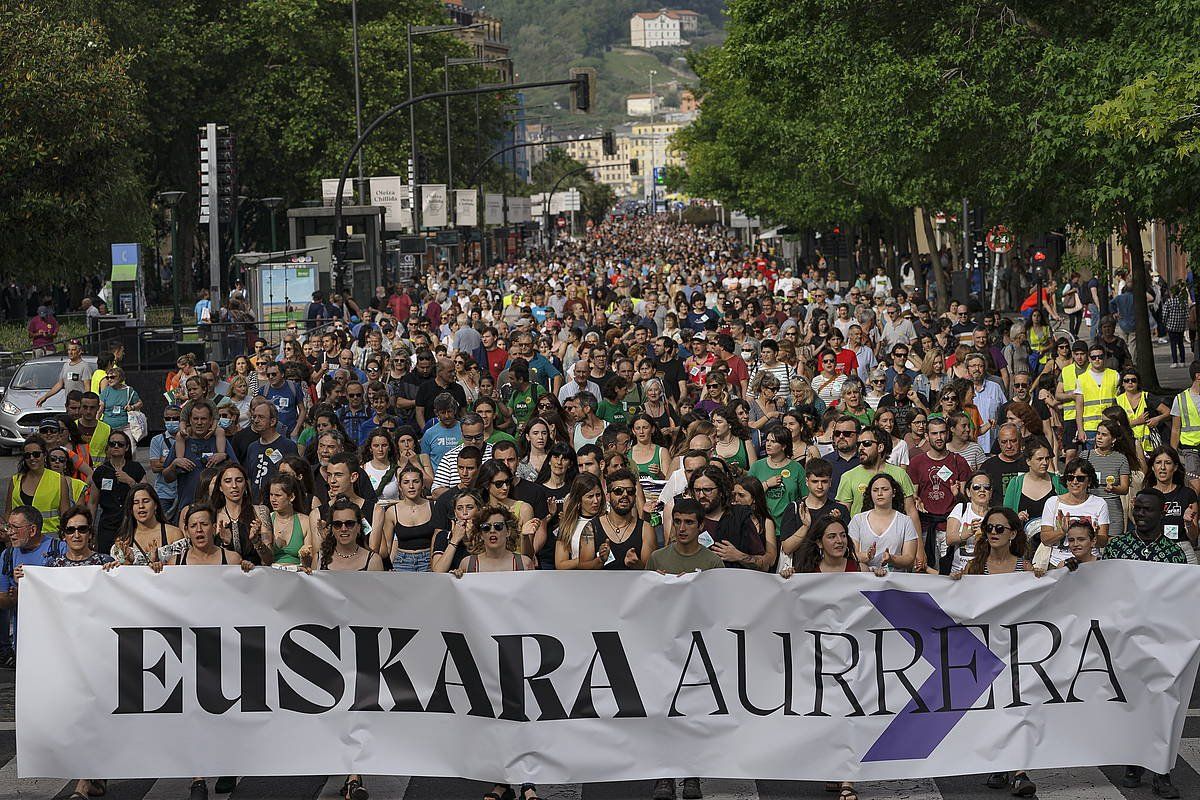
x=983 y=550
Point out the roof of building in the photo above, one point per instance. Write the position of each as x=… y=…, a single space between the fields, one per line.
x=668 y=12
x=640 y=96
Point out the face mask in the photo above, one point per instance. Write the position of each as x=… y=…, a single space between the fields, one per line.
x=225 y=423
x=172 y=426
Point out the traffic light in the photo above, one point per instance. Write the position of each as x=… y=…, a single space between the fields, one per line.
x=226 y=175
x=422 y=168
x=635 y=167
x=582 y=90
x=609 y=142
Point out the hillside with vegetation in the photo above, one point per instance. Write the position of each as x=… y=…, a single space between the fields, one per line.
x=550 y=36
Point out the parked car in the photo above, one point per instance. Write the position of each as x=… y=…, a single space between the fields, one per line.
x=19 y=413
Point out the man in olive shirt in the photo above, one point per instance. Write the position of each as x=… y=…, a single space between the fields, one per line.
x=685 y=554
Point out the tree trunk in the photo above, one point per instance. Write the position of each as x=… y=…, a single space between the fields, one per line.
x=1139 y=275
x=939 y=274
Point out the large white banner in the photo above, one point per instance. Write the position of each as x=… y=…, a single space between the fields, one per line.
x=466 y=202
x=597 y=676
x=392 y=192
x=434 y=206
x=493 y=209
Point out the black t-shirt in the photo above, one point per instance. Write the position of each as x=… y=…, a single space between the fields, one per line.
x=1177 y=501
x=534 y=494
x=672 y=373
x=1002 y=472
x=241 y=443
x=441 y=542
x=429 y=392
x=545 y=556
x=789 y=523
x=112 y=500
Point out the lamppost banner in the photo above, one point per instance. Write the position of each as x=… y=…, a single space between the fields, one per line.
x=558 y=677
x=466 y=207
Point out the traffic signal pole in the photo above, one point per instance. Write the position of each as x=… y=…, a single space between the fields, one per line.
x=580 y=82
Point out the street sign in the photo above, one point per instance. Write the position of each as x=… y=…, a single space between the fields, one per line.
x=999 y=239
x=446 y=238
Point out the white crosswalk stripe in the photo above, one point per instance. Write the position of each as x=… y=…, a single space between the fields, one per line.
x=12 y=788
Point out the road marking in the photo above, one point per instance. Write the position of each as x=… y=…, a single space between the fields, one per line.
x=12 y=788
x=1189 y=749
x=919 y=789
x=1076 y=783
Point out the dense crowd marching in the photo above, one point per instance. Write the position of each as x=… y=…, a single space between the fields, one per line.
x=651 y=396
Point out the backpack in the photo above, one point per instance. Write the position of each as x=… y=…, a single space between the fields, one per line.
x=54 y=551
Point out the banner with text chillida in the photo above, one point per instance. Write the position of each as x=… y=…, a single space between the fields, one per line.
x=591 y=676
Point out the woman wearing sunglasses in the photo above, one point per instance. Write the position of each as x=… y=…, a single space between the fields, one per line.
x=1000 y=550
x=112 y=481
x=35 y=484
x=1077 y=504
x=829 y=380
x=1144 y=413
x=494 y=545
x=965 y=522
x=59 y=460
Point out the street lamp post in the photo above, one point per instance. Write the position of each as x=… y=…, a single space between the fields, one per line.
x=272 y=203
x=410 y=32
x=357 y=96
x=171 y=201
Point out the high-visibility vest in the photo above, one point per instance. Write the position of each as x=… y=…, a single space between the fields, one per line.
x=1189 y=421
x=45 y=498
x=1068 y=381
x=1097 y=397
x=1140 y=432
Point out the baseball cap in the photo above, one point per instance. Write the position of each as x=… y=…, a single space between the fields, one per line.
x=700 y=336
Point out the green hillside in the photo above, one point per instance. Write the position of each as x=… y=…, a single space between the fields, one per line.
x=549 y=36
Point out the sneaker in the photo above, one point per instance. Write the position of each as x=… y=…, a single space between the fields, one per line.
x=1132 y=777
x=1162 y=787
x=199 y=791
x=225 y=784
x=664 y=789
x=997 y=780
x=1022 y=786
x=691 y=789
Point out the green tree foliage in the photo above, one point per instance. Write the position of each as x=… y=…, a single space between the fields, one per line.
x=595 y=198
x=820 y=110
x=71 y=181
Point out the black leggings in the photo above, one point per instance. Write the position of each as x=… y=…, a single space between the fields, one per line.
x=1076 y=322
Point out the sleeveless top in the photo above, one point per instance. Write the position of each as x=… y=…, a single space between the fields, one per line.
x=617 y=550
x=1020 y=567
x=290 y=552
x=140 y=558
x=183 y=558
x=578 y=440
x=472 y=564
x=45 y=497
x=740 y=458
x=364 y=567
x=413 y=537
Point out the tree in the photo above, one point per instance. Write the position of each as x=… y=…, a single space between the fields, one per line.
x=595 y=198
x=71 y=182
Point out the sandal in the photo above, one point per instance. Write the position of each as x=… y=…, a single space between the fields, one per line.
x=846 y=792
x=101 y=787
x=353 y=789
x=529 y=787
x=507 y=794
x=77 y=796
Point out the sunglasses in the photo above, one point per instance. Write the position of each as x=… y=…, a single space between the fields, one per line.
x=1130 y=379
x=1077 y=478
x=843 y=434
x=117 y=443
x=343 y=524
x=996 y=528
x=866 y=442
x=33 y=454
x=502 y=483
x=1096 y=356
x=493 y=526
x=981 y=487
x=69 y=529
x=621 y=491
x=1020 y=385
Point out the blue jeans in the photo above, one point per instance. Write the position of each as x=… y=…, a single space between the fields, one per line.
x=411 y=562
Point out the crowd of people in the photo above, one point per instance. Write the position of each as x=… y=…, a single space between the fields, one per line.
x=650 y=396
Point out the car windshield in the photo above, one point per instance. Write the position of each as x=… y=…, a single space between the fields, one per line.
x=37 y=375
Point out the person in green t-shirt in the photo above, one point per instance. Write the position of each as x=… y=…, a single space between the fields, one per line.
x=684 y=553
x=613 y=409
x=872 y=454
x=523 y=402
x=781 y=477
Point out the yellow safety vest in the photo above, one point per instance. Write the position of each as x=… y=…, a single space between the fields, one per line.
x=1096 y=398
x=45 y=498
x=1189 y=421
x=1068 y=381
x=1140 y=432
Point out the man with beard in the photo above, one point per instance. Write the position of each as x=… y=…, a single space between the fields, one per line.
x=404 y=383
x=937 y=475
x=845 y=448
x=264 y=455
x=735 y=537
x=630 y=541
x=874 y=444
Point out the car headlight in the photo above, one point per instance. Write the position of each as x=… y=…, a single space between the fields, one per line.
x=9 y=408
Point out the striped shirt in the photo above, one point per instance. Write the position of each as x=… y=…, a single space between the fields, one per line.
x=447 y=469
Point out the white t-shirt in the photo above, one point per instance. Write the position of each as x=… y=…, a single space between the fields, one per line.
x=1093 y=509
x=899 y=532
x=389 y=492
x=899 y=454
x=965 y=514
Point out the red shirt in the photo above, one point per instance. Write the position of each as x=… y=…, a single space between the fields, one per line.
x=738 y=372
x=847 y=362
x=401 y=306
x=932 y=479
x=496 y=360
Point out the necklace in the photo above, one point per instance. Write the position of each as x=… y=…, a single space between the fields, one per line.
x=352 y=555
x=619 y=529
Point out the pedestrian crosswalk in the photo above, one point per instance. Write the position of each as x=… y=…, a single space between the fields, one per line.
x=1082 y=783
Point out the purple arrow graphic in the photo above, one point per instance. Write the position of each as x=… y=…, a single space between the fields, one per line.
x=915 y=735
